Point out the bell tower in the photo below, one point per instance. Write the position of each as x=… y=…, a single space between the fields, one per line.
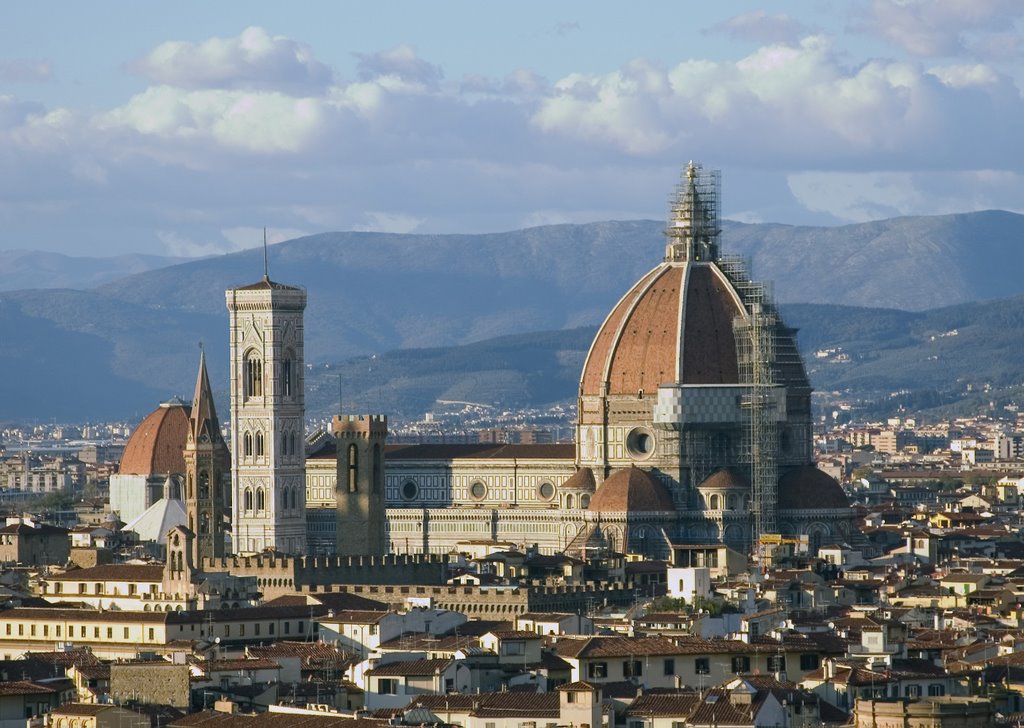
x=360 y=488
x=268 y=455
x=207 y=491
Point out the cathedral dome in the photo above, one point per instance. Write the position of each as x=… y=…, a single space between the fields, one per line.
x=631 y=490
x=810 y=487
x=674 y=326
x=156 y=445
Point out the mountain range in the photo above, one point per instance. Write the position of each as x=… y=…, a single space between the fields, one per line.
x=115 y=349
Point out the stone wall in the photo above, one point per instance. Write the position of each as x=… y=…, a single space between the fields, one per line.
x=160 y=683
x=285 y=575
x=488 y=602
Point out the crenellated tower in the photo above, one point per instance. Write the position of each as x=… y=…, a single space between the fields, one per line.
x=268 y=456
x=360 y=487
x=207 y=491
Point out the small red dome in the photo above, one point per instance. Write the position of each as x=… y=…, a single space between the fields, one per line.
x=810 y=487
x=631 y=490
x=725 y=478
x=582 y=479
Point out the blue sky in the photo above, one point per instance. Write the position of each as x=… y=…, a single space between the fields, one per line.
x=185 y=128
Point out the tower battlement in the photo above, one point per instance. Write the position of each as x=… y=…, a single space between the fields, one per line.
x=359 y=425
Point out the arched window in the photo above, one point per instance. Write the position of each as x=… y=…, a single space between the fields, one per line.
x=287 y=375
x=260 y=500
x=569 y=501
x=204 y=523
x=353 y=468
x=247 y=500
x=191 y=487
x=294 y=439
x=259 y=444
x=204 y=485
x=253 y=373
x=732 y=499
x=715 y=502
x=247 y=439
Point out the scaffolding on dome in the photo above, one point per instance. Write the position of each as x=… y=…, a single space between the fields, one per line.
x=693 y=227
x=756 y=352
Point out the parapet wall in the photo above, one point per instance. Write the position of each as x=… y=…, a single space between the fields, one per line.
x=278 y=575
x=488 y=601
x=359 y=425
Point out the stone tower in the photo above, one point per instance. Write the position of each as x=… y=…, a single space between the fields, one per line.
x=207 y=491
x=268 y=456
x=360 y=488
x=179 y=569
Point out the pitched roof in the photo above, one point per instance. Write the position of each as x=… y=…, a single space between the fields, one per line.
x=113 y=572
x=510 y=704
x=410 y=667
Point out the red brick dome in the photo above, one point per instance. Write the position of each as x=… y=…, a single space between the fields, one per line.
x=582 y=479
x=810 y=487
x=631 y=490
x=156 y=445
x=727 y=477
x=674 y=326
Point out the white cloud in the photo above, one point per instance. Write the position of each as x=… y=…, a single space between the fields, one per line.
x=25 y=71
x=977 y=74
x=791 y=105
x=859 y=197
x=254 y=121
x=758 y=26
x=941 y=27
x=15 y=112
x=622 y=108
x=400 y=63
x=389 y=222
x=193 y=160
x=252 y=60
x=181 y=246
x=242 y=238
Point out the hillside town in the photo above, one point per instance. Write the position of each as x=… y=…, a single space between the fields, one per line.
x=704 y=550
x=99 y=625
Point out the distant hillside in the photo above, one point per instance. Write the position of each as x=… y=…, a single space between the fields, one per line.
x=961 y=356
x=20 y=269
x=134 y=340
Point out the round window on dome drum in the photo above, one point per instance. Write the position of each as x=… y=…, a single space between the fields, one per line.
x=546 y=491
x=410 y=490
x=478 y=490
x=640 y=443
